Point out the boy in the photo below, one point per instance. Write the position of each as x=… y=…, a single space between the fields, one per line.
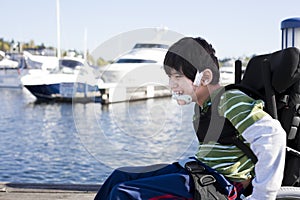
x=193 y=72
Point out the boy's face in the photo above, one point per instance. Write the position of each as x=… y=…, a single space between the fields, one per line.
x=181 y=85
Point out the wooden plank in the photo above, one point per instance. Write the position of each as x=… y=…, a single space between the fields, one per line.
x=28 y=191
x=46 y=196
x=50 y=187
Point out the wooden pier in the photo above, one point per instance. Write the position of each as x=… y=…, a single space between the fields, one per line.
x=32 y=191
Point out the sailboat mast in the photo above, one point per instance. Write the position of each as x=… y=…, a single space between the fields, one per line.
x=85 y=44
x=58 y=29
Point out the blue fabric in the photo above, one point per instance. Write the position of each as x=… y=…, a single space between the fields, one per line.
x=169 y=182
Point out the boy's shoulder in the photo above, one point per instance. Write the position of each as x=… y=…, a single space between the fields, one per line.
x=233 y=96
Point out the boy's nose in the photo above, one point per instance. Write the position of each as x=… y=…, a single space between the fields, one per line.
x=173 y=84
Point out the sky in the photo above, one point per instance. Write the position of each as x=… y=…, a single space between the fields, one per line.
x=234 y=27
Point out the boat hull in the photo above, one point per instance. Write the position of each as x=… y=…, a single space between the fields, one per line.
x=112 y=93
x=65 y=92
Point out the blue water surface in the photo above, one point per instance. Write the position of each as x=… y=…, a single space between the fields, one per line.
x=51 y=142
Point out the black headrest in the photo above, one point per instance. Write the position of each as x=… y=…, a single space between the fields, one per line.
x=284 y=68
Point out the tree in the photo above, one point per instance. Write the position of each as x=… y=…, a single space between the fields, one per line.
x=101 y=62
x=4 y=45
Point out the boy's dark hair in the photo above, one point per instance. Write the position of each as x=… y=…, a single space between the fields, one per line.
x=190 y=55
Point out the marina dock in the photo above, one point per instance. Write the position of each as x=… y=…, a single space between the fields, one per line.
x=30 y=191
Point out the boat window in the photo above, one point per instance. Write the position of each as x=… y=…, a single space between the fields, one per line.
x=126 y=60
x=145 y=45
x=70 y=63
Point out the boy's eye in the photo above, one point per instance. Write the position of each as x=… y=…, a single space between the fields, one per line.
x=176 y=76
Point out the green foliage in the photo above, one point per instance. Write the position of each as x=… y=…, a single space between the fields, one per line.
x=4 y=45
x=102 y=62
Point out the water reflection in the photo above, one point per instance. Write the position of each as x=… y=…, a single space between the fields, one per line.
x=135 y=133
x=82 y=143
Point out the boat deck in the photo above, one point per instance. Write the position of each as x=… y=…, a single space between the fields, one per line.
x=26 y=191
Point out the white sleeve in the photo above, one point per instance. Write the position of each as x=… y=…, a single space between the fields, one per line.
x=267 y=141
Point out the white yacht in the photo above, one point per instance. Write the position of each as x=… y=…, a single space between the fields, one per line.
x=137 y=74
x=71 y=80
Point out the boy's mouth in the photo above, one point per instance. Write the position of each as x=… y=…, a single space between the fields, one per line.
x=179 y=96
x=177 y=93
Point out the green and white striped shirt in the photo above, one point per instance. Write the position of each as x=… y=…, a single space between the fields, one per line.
x=242 y=111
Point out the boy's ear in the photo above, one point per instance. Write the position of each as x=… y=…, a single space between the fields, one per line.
x=207 y=77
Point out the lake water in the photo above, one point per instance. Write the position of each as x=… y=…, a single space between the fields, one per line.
x=83 y=143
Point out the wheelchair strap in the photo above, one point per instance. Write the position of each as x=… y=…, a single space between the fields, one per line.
x=205 y=184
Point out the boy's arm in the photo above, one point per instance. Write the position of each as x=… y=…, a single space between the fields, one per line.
x=268 y=141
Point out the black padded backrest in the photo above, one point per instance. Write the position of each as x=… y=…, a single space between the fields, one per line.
x=253 y=77
x=284 y=68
